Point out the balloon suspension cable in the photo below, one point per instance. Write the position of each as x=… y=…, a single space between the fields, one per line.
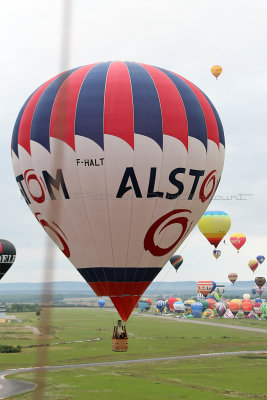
x=49 y=260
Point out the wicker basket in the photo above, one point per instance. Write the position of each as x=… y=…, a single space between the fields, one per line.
x=120 y=344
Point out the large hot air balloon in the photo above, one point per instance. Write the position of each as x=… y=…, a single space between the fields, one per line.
x=118 y=161
x=260 y=259
x=214 y=225
x=7 y=256
x=238 y=240
x=176 y=261
x=253 y=265
x=232 y=276
x=216 y=70
x=205 y=287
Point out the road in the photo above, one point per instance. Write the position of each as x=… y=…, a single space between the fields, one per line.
x=13 y=387
x=201 y=322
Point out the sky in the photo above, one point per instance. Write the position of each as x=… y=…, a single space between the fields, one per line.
x=186 y=37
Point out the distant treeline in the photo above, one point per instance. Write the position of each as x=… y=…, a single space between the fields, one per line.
x=16 y=308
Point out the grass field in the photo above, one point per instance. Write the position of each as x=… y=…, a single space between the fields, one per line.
x=214 y=378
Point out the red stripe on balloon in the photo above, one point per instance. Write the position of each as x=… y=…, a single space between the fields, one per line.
x=62 y=124
x=114 y=288
x=24 y=134
x=1 y=248
x=125 y=305
x=174 y=119
x=118 y=109
x=211 y=123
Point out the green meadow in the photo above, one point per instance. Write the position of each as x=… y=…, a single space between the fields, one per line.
x=211 y=378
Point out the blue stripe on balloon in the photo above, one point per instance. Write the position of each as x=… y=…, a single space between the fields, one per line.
x=147 y=111
x=219 y=123
x=119 y=274
x=90 y=106
x=195 y=117
x=40 y=127
x=15 y=136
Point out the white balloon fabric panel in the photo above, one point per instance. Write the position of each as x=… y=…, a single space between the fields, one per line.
x=118 y=161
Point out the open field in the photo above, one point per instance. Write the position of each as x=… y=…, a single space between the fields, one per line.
x=148 y=338
x=209 y=379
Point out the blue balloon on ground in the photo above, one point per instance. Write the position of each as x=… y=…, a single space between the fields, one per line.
x=196 y=313
x=197 y=306
x=101 y=303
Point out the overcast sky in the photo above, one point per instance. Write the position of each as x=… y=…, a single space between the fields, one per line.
x=186 y=37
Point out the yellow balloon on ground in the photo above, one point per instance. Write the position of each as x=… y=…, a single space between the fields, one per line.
x=214 y=225
x=238 y=301
x=216 y=70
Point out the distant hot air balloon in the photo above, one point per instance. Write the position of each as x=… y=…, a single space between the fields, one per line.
x=216 y=70
x=7 y=256
x=214 y=225
x=257 y=308
x=253 y=291
x=259 y=290
x=260 y=259
x=246 y=296
x=101 y=303
x=263 y=308
x=232 y=276
x=253 y=265
x=233 y=307
x=220 y=289
x=208 y=313
x=217 y=253
x=205 y=305
x=221 y=308
x=260 y=281
x=134 y=153
x=145 y=304
x=179 y=307
x=246 y=307
x=160 y=305
x=238 y=240
x=205 y=287
x=171 y=302
x=212 y=302
x=176 y=261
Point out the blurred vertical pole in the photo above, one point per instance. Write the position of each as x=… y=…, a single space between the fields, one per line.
x=49 y=259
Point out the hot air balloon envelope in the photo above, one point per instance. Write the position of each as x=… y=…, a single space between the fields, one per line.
x=260 y=281
x=134 y=153
x=232 y=276
x=216 y=70
x=260 y=259
x=238 y=240
x=253 y=265
x=101 y=303
x=214 y=225
x=176 y=261
x=205 y=287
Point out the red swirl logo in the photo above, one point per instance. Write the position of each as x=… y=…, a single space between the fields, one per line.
x=31 y=176
x=45 y=224
x=149 y=242
x=209 y=178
